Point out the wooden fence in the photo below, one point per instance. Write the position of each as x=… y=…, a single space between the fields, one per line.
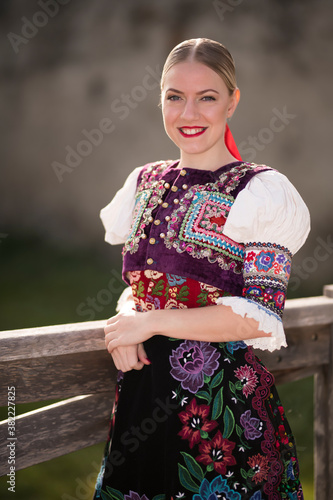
x=69 y=362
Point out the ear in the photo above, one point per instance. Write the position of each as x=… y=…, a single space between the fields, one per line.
x=234 y=100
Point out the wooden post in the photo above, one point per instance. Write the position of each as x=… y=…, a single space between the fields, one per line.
x=323 y=422
x=321 y=449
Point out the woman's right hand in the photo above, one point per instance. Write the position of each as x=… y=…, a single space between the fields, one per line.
x=131 y=357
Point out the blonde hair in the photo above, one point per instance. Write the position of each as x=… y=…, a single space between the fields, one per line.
x=212 y=54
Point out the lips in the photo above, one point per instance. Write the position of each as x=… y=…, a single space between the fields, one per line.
x=192 y=131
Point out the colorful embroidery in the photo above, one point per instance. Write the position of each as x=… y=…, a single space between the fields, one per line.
x=196 y=226
x=266 y=273
x=191 y=362
x=222 y=415
x=149 y=191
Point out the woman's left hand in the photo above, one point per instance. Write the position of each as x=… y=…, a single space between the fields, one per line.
x=126 y=328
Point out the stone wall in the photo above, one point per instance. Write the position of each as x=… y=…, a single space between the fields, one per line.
x=72 y=66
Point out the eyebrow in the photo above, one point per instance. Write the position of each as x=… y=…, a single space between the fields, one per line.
x=199 y=93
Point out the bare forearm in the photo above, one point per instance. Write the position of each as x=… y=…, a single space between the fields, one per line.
x=212 y=324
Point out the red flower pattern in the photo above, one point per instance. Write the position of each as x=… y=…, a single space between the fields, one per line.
x=248 y=378
x=260 y=466
x=195 y=420
x=218 y=452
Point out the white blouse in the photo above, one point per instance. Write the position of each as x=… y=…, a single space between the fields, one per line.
x=268 y=209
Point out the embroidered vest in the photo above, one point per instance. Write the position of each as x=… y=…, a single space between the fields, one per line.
x=178 y=223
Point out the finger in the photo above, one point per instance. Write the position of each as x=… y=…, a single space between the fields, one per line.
x=121 y=362
x=109 y=328
x=138 y=366
x=142 y=355
x=132 y=358
x=112 y=319
x=115 y=359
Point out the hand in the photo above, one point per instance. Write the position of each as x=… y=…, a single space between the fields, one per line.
x=126 y=329
x=128 y=358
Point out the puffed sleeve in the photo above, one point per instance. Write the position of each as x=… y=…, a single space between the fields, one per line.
x=117 y=215
x=272 y=221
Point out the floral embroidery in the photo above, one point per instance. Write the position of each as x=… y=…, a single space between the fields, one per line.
x=196 y=227
x=248 y=378
x=149 y=191
x=225 y=417
x=134 y=496
x=191 y=361
x=217 y=453
x=195 y=422
x=266 y=273
x=260 y=467
x=215 y=489
x=251 y=425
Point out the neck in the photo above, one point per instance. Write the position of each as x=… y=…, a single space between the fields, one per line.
x=206 y=161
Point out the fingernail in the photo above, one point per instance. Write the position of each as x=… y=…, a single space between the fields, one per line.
x=148 y=361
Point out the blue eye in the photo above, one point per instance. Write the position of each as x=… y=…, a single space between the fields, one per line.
x=173 y=98
x=208 y=98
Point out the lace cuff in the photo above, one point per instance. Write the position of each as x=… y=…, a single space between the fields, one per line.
x=124 y=298
x=268 y=322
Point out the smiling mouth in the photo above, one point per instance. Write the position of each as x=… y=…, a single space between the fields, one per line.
x=192 y=131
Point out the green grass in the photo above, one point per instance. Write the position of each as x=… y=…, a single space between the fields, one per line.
x=42 y=284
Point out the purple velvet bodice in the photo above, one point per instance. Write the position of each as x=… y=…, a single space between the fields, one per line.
x=178 y=223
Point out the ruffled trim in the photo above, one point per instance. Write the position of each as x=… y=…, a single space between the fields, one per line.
x=125 y=296
x=268 y=322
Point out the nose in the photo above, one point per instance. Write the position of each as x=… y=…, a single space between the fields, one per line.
x=190 y=110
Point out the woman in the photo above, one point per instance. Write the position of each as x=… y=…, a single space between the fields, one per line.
x=208 y=241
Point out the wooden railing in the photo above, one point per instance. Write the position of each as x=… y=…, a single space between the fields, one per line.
x=70 y=361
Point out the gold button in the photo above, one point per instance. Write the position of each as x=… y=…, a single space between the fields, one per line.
x=159 y=201
x=183 y=172
x=174 y=189
x=165 y=204
x=157 y=222
x=162 y=235
x=184 y=186
x=150 y=261
x=152 y=241
x=167 y=218
x=176 y=201
x=166 y=185
x=150 y=219
x=143 y=236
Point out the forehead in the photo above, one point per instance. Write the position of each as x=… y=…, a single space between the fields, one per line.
x=192 y=76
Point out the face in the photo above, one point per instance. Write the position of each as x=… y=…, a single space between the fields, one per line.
x=196 y=104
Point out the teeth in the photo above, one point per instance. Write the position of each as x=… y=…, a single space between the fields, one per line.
x=192 y=131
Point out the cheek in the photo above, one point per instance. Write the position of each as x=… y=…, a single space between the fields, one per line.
x=169 y=117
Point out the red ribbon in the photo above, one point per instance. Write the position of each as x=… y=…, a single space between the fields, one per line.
x=230 y=143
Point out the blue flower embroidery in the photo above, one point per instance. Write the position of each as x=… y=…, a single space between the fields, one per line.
x=213 y=490
x=175 y=280
x=234 y=346
x=264 y=261
x=290 y=471
x=256 y=496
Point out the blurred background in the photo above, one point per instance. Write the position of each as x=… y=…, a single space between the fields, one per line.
x=79 y=110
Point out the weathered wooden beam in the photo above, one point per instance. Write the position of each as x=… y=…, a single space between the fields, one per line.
x=52 y=340
x=321 y=437
x=89 y=336
x=57 y=377
x=62 y=376
x=307 y=346
x=56 y=430
x=308 y=311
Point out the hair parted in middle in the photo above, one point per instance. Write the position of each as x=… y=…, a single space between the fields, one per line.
x=205 y=51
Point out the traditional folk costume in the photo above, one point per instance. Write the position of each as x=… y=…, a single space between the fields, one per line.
x=204 y=420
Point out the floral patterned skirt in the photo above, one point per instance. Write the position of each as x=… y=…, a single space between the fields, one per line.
x=203 y=421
